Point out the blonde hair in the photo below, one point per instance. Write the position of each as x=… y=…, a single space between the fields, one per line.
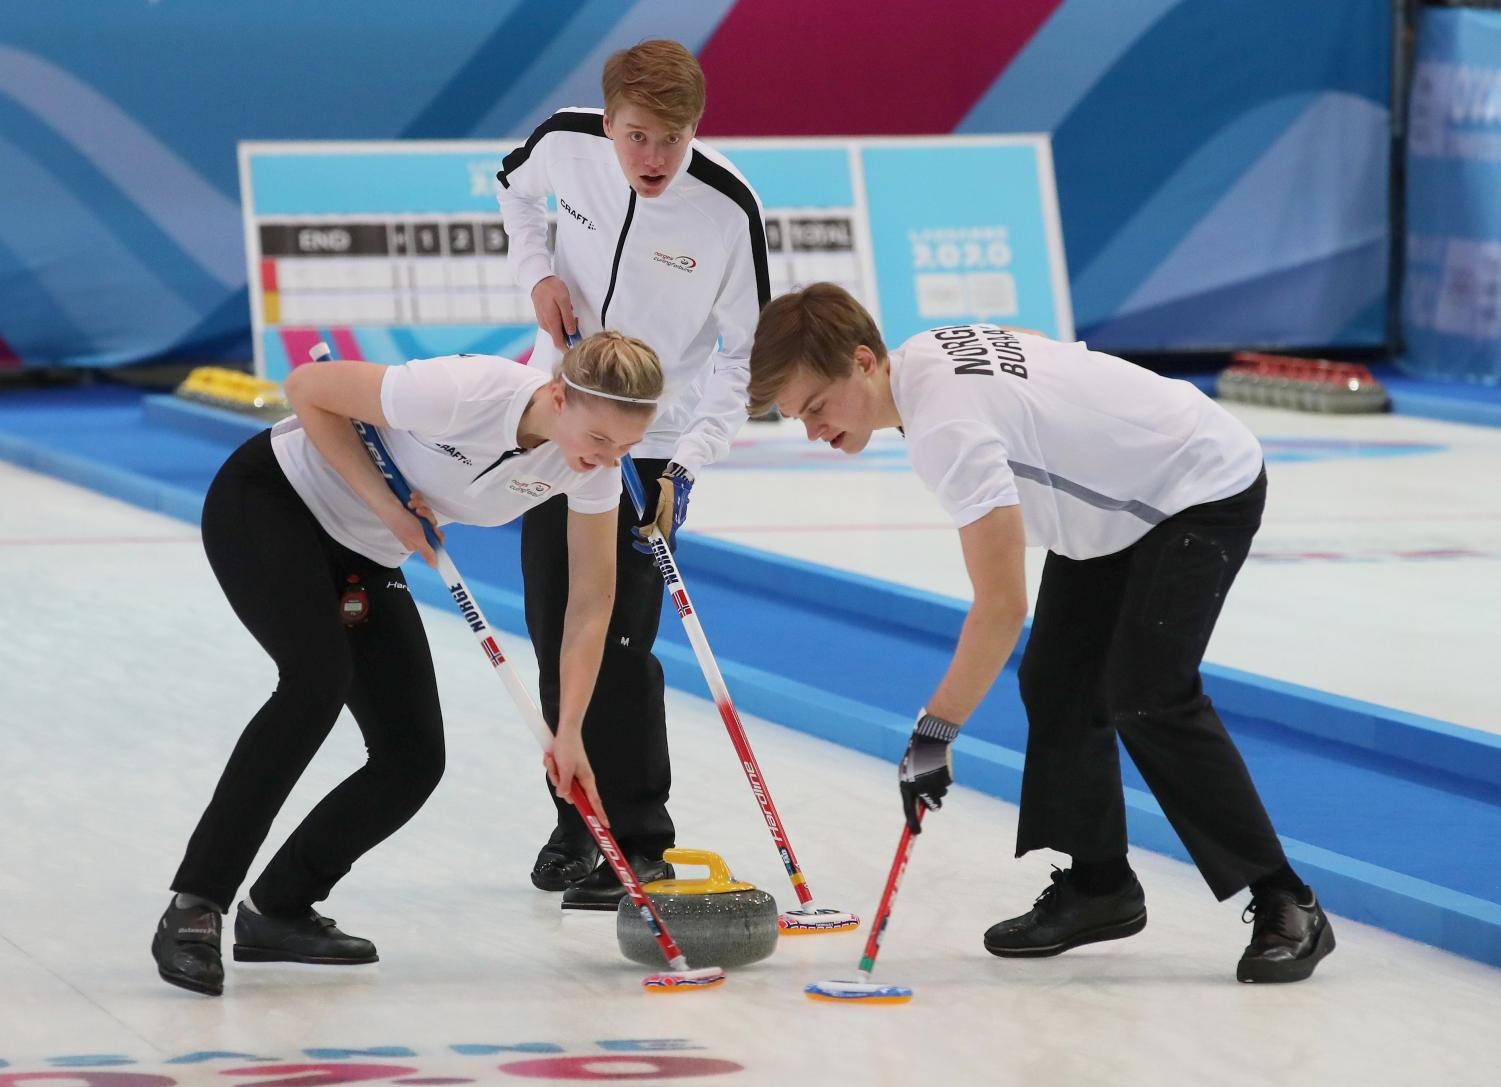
x=615 y=365
x=661 y=77
x=817 y=328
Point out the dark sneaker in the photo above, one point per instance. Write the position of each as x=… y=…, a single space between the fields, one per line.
x=560 y=865
x=1063 y=917
x=309 y=938
x=186 y=948
x=1287 y=938
x=600 y=890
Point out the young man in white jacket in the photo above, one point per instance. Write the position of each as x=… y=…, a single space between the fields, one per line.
x=660 y=238
x=1146 y=494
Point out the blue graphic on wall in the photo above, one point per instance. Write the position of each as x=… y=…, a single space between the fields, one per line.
x=1221 y=164
x=1451 y=295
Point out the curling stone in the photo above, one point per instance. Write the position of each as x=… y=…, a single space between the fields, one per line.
x=716 y=920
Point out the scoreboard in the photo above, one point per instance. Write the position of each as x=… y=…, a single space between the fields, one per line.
x=420 y=272
x=392 y=251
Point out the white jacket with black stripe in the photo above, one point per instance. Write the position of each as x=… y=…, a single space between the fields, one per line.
x=685 y=271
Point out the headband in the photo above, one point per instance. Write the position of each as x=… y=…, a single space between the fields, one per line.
x=607 y=396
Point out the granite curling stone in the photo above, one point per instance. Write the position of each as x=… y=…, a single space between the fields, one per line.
x=716 y=920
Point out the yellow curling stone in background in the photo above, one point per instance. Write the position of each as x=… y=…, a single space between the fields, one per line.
x=235 y=390
x=717 y=920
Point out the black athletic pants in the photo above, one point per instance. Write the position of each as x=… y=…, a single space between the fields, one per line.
x=283 y=576
x=625 y=726
x=1115 y=649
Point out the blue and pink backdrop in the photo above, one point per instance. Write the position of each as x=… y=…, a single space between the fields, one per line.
x=1222 y=164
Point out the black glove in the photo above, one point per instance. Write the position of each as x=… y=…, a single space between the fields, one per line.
x=927 y=769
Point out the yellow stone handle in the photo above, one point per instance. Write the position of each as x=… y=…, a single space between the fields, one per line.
x=719 y=879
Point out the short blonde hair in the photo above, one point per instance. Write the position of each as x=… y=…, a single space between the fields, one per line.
x=661 y=77
x=614 y=364
x=816 y=328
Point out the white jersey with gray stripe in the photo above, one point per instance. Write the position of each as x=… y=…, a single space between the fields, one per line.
x=1095 y=450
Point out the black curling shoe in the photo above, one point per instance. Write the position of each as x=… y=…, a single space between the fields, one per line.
x=1064 y=917
x=600 y=890
x=186 y=948
x=561 y=864
x=1288 y=938
x=310 y=938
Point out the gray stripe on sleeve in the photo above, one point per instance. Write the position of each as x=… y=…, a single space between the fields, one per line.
x=1084 y=494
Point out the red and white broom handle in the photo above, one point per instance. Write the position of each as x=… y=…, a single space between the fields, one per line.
x=480 y=627
x=679 y=593
x=608 y=847
x=888 y=896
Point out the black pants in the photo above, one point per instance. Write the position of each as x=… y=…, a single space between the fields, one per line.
x=1115 y=649
x=625 y=726
x=284 y=575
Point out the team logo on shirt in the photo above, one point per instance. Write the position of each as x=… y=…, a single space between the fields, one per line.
x=571 y=210
x=682 y=263
x=456 y=454
x=535 y=489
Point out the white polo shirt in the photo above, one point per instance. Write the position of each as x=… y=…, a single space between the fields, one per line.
x=453 y=433
x=1095 y=450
